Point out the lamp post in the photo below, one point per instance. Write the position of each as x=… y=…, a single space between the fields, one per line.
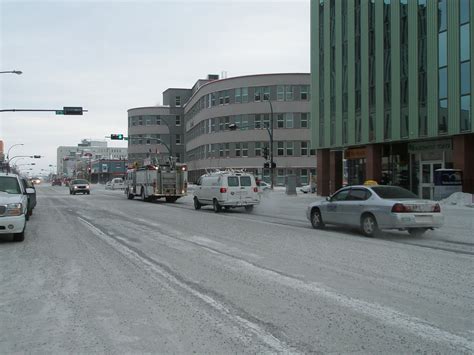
x=17 y=72
x=14 y=145
x=171 y=143
x=270 y=133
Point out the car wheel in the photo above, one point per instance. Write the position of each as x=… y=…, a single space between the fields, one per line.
x=197 y=204
x=19 y=237
x=216 y=206
x=369 y=225
x=317 y=219
x=88 y=192
x=249 y=208
x=70 y=192
x=417 y=231
x=129 y=195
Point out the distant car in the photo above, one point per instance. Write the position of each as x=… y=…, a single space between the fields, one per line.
x=108 y=185
x=117 y=184
x=36 y=181
x=79 y=186
x=262 y=185
x=373 y=208
x=308 y=188
x=31 y=194
x=56 y=182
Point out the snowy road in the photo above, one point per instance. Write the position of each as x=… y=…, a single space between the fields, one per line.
x=100 y=273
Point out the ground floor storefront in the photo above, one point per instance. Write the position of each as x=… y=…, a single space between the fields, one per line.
x=414 y=165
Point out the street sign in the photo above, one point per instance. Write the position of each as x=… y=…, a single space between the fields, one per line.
x=59 y=112
x=72 y=110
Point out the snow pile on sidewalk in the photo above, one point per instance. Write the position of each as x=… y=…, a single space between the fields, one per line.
x=459 y=199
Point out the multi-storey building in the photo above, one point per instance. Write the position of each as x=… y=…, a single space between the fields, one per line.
x=157 y=131
x=200 y=128
x=68 y=158
x=392 y=83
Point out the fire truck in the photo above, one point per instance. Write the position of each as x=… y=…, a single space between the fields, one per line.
x=152 y=182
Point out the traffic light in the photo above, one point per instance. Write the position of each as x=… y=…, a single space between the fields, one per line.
x=71 y=111
x=116 y=137
x=265 y=153
x=266 y=165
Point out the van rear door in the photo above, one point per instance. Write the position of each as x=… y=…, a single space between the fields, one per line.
x=233 y=190
x=247 y=186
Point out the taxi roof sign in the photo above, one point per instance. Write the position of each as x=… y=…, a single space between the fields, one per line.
x=370 y=183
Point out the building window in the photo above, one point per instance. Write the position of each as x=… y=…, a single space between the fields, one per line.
x=238 y=95
x=237 y=150
x=266 y=120
x=289 y=120
x=245 y=95
x=280 y=148
x=178 y=139
x=258 y=94
x=289 y=148
x=227 y=149
x=245 y=149
x=280 y=93
x=304 y=149
x=221 y=97
x=304 y=120
x=178 y=120
x=280 y=120
x=226 y=97
x=177 y=100
x=304 y=89
x=289 y=91
x=304 y=176
x=258 y=149
x=258 y=121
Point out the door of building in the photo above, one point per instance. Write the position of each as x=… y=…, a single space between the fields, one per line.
x=427 y=169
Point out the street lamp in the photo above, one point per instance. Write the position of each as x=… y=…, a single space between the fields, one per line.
x=14 y=145
x=270 y=132
x=17 y=72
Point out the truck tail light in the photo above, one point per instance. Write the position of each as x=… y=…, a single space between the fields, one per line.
x=223 y=190
x=437 y=208
x=255 y=189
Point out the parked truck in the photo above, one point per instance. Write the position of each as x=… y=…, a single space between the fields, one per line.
x=152 y=182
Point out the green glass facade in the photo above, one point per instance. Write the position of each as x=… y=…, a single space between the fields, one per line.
x=390 y=72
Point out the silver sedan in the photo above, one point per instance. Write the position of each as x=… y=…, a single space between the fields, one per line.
x=372 y=208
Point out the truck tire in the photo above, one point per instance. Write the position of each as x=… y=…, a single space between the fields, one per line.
x=19 y=237
x=129 y=195
x=216 y=206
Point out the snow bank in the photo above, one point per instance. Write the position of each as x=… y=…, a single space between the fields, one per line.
x=459 y=199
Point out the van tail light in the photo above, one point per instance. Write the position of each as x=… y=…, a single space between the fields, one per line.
x=399 y=208
x=223 y=190
x=437 y=208
x=255 y=189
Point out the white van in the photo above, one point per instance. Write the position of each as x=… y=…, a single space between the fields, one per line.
x=117 y=184
x=226 y=189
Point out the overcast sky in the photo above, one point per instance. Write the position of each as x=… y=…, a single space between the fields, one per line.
x=110 y=56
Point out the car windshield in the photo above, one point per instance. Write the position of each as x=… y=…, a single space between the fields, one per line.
x=75 y=182
x=9 y=185
x=393 y=192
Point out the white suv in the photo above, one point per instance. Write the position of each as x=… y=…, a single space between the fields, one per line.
x=13 y=206
x=226 y=189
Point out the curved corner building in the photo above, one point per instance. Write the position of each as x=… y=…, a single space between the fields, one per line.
x=247 y=103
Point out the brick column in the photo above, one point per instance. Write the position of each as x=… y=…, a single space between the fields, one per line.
x=463 y=158
x=335 y=171
x=322 y=166
x=373 y=166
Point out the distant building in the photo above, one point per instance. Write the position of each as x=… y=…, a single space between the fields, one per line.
x=194 y=124
x=71 y=158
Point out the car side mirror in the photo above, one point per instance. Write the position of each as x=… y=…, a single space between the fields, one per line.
x=328 y=198
x=29 y=190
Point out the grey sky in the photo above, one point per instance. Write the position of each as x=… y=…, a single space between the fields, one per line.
x=109 y=56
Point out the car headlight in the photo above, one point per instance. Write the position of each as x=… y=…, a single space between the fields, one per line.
x=14 y=209
x=87 y=186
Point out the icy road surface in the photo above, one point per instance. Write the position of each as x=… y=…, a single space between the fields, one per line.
x=100 y=273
